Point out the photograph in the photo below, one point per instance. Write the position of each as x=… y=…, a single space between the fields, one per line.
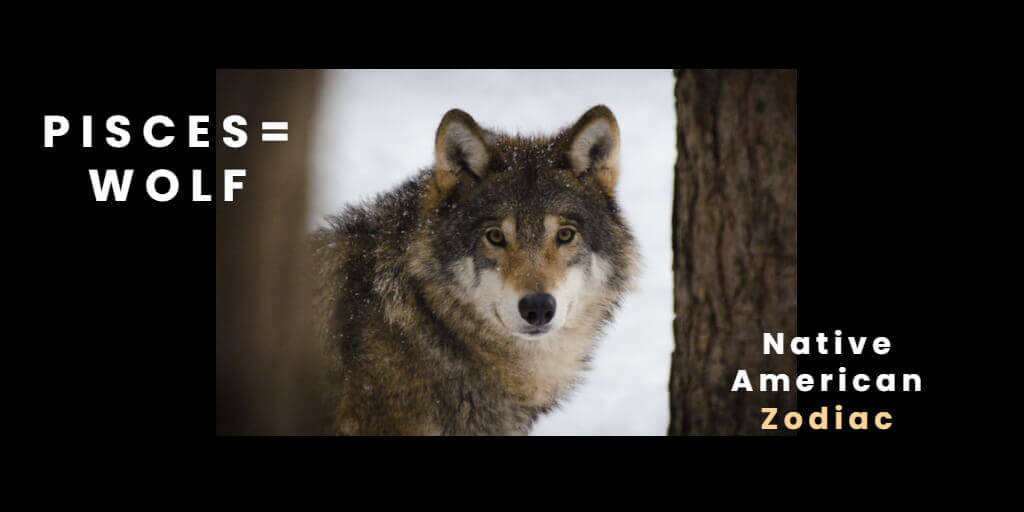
x=505 y=251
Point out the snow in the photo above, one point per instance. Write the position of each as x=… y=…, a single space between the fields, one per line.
x=376 y=128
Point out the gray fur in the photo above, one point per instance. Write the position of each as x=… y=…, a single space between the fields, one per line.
x=409 y=352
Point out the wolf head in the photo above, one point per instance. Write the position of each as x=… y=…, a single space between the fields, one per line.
x=526 y=230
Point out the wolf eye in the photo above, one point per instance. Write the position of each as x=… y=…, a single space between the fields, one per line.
x=565 y=235
x=495 y=237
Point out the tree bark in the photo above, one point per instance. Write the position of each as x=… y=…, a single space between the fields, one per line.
x=734 y=243
x=267 y=357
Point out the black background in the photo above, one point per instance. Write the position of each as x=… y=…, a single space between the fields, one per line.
x=122 y=293
x=118 y=308
x=869 y=230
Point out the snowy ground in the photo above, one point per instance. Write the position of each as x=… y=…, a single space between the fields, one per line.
x=377 y=128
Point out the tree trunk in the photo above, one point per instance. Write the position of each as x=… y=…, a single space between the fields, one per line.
x=267 y=357
x=734 y=244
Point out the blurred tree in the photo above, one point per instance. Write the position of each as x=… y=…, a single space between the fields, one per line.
x=734 y=244
x=267 y=357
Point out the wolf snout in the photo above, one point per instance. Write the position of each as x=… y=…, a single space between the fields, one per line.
x=537 y=308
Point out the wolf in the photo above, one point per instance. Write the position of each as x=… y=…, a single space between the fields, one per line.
x=468 y=300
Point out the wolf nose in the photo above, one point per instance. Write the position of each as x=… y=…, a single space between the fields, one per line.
x=537 y=308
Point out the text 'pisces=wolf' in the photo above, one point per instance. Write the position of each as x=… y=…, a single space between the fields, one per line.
x=469 y=299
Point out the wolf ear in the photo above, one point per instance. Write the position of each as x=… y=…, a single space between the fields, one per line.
x=593 y=147
x=460 y=152
x=461 y=145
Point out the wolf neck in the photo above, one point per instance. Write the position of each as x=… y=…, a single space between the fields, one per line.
x=554 y=365
x=532 y=373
